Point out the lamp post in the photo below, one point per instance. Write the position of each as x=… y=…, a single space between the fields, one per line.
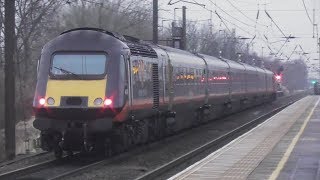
x=155 y=22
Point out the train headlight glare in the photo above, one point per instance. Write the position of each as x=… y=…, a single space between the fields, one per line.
x=42 y=101
x=107 y=102
x=50 y=101
x=98 y=101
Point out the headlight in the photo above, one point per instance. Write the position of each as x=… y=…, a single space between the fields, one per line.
x=107 y=102
x=97 y=101
x=50 y=101
x=42 y=101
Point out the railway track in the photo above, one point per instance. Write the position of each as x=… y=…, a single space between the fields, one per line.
x=38 y=170
x=22 y=159
x=14 y=174
x=67 y=168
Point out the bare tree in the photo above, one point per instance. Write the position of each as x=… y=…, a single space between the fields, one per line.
x=34 y=18
x=130 y=17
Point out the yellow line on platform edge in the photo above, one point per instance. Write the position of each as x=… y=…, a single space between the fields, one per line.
x=293 y=143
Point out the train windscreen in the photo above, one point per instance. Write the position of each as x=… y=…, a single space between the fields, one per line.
x=78 y=64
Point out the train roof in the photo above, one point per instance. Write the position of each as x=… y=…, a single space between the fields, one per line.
x=214 y=61
x=137 y=47
x=180 y=57
x=141 y=48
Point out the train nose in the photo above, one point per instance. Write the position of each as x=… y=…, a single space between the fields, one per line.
x=76 y=93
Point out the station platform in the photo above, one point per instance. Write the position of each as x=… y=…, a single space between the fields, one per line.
x=286 y=146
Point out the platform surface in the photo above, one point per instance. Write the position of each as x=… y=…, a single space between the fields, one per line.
x=286 y=146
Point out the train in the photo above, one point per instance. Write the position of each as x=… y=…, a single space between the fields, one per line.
x=99 y=91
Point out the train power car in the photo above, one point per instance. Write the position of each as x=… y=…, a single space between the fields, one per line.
x=98 y=90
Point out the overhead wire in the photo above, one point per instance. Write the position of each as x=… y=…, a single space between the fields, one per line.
x=254 y=36
x=305 y=8
x=225 y=20
x=233 y=24
x=275 y=23
x=269 y=45
x=264 y=38
x=231 y=15
x=255 y=21
x=292 y=52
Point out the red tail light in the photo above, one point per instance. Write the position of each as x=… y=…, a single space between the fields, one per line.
x=42 y=101
x=278 y=77
x=107 y=102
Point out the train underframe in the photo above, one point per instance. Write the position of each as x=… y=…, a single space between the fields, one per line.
x=136 y=130
x=119 y=139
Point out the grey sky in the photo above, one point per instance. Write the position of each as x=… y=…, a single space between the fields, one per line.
x=289 y=15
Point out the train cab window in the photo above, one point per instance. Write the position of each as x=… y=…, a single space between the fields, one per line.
x=80 y=64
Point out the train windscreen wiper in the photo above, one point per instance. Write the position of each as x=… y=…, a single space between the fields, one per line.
x=66 y=71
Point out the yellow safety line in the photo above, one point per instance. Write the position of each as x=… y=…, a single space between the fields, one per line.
x=287 y=154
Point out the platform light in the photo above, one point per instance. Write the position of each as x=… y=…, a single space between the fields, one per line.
x=278 y=77
x=42 y=101
x=107 y=102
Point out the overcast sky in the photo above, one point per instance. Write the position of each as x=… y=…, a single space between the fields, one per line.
x=289 y=15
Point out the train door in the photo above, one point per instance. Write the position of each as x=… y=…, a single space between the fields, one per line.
x=266 y=80
x=230 y=79
x=162 y=79
x=244 y=78
x=128 y=82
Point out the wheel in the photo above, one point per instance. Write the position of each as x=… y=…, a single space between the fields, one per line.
x=70 y=153
x=198 y=117
x=119 y=140
x=144 y=134
x=58 y=152
x=106 y=150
